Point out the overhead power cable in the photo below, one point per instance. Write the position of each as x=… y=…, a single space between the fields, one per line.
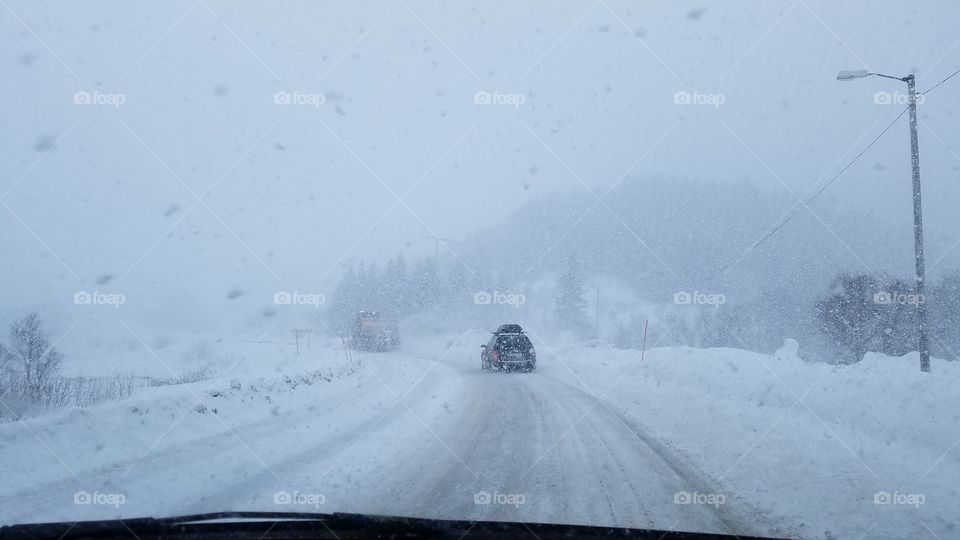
x=804 y=204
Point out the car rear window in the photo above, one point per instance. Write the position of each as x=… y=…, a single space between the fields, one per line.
x=514 y=342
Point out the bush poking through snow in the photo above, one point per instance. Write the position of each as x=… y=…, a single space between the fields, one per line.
x=31 y=357
x=29 y=368
x=200 y=373
x=30 y=380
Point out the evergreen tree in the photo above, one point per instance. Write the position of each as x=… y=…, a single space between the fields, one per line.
x=456 y=289
x=868 y=313
x=571 y=305
x=396 y=287
x=425 y=286
x=372 y=289
x=943 y=301
x=346 y=301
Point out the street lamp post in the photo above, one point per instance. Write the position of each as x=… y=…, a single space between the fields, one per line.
x=923 y=343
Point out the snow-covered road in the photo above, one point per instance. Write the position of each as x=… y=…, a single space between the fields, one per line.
x=414 y=435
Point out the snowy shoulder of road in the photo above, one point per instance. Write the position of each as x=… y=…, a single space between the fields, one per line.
x=720 y=440
x=860 y=451
x=116 y=436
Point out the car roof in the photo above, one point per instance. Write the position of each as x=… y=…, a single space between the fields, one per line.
x=509 y=329
x=512 y=339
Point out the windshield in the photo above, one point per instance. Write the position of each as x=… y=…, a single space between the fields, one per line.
x=255 y=256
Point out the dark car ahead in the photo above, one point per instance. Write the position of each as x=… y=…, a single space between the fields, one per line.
x=509 y=349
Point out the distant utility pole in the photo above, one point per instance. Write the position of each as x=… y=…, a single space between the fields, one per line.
x=436 y=245
x=923 y=345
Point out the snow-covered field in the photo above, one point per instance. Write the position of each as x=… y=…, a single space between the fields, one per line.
x=721 y=440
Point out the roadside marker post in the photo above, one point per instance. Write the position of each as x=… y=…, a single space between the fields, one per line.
x=643 y=346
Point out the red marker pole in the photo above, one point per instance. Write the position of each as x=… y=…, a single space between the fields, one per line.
x=643 y=347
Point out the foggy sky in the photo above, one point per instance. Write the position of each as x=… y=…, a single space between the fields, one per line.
x=399 y=150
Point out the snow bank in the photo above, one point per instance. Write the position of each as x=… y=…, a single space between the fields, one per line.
x=867 y=449
x=114 y=435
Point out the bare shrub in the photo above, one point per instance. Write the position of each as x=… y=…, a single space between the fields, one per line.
x=31 y=353
x=30 y=380
x=200 y=373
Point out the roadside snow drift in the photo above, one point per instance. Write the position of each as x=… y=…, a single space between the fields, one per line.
x=868 y=450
